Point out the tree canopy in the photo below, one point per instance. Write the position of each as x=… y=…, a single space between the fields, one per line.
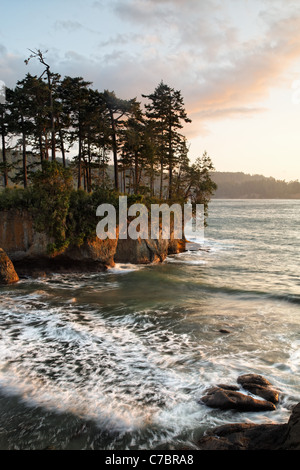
x=104 y=140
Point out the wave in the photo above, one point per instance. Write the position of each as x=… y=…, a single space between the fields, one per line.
x=249 y=293
x=123 y=268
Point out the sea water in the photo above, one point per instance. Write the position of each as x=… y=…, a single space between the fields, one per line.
x=120 y=360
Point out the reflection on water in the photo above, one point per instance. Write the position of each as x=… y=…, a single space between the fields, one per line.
x=119 y=360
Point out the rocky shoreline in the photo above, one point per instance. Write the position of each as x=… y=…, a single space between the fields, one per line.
x=28 y=249
x=249 y=436
x=23 y=252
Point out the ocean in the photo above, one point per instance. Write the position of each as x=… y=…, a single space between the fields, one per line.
x=120 y=360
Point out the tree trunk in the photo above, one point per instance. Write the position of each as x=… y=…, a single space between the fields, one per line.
x=170 y=164
x=61 y=140
x=5 y=172
x=79 y=164
x=89 y=169
x=115 y=150
x=41 y=148
x=170 y=179
x=136 y=172
x=51 y=115
x=46 y=145
x=161 y=179
x=24 y=160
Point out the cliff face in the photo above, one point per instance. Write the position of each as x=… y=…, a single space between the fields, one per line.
x=18 y=238
x=28 y=248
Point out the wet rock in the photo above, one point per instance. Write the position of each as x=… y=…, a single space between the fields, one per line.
x=8 y=274
x=228 y=387
x=244 y=436
x=249 y=436
x=253 y=379
x=266 y=393
x=234 y=400
x=260 y=386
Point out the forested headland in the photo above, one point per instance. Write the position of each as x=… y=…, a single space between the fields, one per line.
x=67 y=147
x=53 y=118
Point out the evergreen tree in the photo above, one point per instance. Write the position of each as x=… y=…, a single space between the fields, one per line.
x=51 y=78
x=74 y=94
x=166 y=110
x=117 y=108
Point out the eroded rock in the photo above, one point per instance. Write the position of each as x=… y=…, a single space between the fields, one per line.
x=8 y=274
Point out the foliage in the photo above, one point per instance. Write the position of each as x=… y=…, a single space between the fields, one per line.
x=16 y=198
x=80 y=219
x=50 y=116
x=51 y=199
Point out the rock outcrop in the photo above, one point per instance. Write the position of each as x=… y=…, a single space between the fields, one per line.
x=8 y=274
x=146 y=251
x=28 y=249
x=248 y=436
x=231 y=397
x=258 y=385
x=233 y=400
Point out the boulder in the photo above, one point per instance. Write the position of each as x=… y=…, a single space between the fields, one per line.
x=225 y=399
x=253 y=379
x=260 y=386
x=266 y=393
x=8 y=274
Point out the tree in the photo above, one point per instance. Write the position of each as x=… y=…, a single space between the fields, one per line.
x=22 y=123
x=4 y=132
x=50 y=79
x=74 y=94
x=52 y=186
x=117 y=108
x=132 y=138
x=167 y=111
x=200 y=186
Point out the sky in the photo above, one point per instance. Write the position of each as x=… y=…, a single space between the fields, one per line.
x=236 y=63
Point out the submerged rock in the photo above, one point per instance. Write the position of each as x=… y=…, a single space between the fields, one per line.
x=8 y=274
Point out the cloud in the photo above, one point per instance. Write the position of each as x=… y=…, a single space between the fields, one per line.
x=121 y=39
x=251 y=71
x=202 y=47
x=69 y=26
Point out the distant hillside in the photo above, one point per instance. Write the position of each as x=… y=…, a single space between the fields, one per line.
x=243 y=186
x=231 y=185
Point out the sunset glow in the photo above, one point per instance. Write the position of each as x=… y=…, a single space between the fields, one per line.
x=237 y=64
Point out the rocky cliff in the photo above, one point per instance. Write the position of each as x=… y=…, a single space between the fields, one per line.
x=28 y=249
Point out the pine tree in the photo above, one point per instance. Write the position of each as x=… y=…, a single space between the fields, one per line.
x=167 y=112
x=117 y=108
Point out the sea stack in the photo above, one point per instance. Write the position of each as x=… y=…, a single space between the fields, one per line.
x=8 y=274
